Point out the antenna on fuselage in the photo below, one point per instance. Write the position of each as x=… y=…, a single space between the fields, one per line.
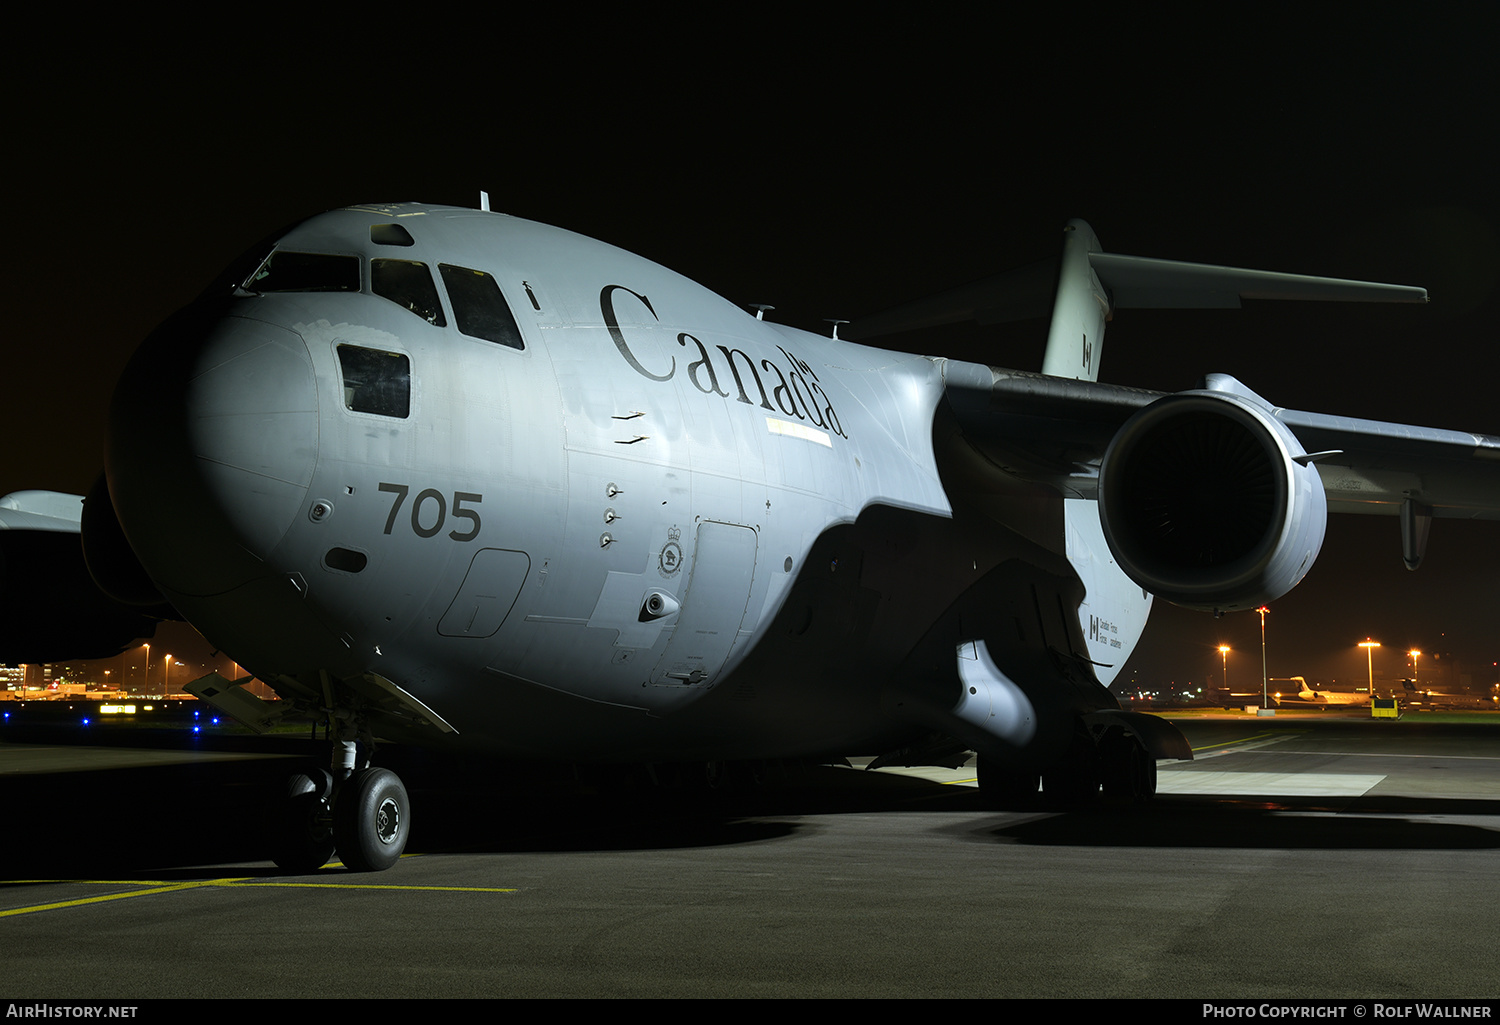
x=835 y=324
x=484 y=201
x=760 y=310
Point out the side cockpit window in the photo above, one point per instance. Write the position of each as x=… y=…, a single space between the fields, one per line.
x=479 y=310
x=408 y=283
x=376 y=382
x=286 y=271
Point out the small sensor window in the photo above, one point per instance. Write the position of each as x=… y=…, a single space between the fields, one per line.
x=390 y=235
x=346 y=559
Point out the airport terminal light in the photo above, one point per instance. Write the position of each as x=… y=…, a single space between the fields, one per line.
x=1224 y=655
x=1370 y=647
x=164 y=674
x=1264 y=675
x=1415 y=654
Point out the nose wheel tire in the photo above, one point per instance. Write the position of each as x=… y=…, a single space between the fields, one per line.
x=371 y=820
x=304 y=841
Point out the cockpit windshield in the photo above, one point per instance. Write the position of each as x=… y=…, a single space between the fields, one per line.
x=408 y=283
x=478 y=307
x=286 y=271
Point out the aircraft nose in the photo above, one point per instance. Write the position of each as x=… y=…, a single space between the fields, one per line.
x=212 y=444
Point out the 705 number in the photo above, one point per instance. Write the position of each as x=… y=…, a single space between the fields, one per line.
x=421 y=508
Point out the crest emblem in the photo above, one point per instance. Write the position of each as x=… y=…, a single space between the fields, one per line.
x=671 y=553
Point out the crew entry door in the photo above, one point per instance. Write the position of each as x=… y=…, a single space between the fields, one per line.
x=712 y=608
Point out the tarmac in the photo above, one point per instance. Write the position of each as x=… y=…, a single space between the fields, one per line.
x=1297 y=856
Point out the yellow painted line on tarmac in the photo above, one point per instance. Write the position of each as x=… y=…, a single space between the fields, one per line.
x=391 y=886
x=152 y=888
x=167 y=888
x=1280 y=735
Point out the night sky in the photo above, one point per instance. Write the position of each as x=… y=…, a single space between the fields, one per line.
x=833 y=172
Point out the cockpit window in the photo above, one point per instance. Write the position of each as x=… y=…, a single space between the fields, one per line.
x=478 y=307
x=409 y=284
x=376 y=382
x=285 y=271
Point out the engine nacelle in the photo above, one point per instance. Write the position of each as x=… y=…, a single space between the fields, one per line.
x=1204 y=504
x=110 y=560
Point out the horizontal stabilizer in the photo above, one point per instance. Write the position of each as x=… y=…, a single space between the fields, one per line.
x=1140 y=282
x=1086 y=286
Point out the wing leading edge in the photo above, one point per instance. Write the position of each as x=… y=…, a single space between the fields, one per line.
x=1057 y=432
x=1367 y=466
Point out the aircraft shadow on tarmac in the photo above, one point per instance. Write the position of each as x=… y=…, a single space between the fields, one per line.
x=1257 y=822
x=162 y=817
x=212 y=813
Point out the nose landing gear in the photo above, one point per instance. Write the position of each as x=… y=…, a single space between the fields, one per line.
x=304 y=833
x=362 y=813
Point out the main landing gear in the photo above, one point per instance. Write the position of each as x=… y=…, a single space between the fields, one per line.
x=362 y=812
x=1114 y=765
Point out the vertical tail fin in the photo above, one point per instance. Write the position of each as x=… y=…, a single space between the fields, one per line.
x=1080 y=311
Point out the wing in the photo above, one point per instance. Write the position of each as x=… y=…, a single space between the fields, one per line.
x=1074 y=436
x=50 y=607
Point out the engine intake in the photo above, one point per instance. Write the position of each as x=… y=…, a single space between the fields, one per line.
x=1204 y=504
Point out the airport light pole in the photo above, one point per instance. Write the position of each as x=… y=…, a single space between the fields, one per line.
x=1224 y=655
x=1265 y=679
x=1370 y=647
x=1415 y=654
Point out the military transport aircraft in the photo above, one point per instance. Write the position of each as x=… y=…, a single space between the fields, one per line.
x=450 y=476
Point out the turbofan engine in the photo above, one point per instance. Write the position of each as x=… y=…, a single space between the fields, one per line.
x=1204 y=501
